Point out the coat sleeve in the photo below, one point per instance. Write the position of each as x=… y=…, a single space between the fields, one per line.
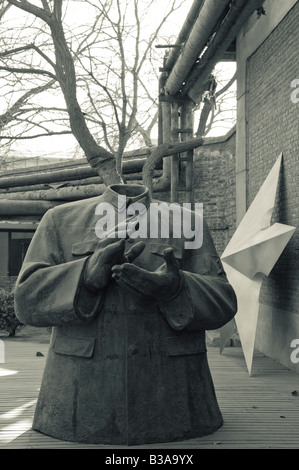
x=206 y=300
x=50 y=291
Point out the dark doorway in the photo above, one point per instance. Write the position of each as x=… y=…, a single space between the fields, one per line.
x=18 y=245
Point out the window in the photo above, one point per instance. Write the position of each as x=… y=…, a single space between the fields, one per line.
x=17 y=247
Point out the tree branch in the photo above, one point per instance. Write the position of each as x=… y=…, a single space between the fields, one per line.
x=148 y=168
x=4 y=8
x=227 y=86
x=16 y=50
x=58 y=9
x=31 y=71
x=29 y=137
x=208 y=106
x=8 y=116
x=46 y=6
x=30 y=8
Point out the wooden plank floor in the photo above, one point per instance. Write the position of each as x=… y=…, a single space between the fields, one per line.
x=261 y=411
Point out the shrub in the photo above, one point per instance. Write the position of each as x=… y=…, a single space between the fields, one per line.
x=8 y=319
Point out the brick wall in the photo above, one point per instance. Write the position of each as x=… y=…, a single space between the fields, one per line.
x=214 y=186
x=214 y=177
x=273 y=127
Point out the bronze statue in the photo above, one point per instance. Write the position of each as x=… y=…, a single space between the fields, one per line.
x=127 y=360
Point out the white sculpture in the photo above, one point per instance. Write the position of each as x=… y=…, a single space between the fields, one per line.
x=250 y=255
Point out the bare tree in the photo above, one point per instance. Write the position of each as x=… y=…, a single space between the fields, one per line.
x=23 y=111
x=213 y=106
x=119 y=74
x=100 y=94
x=24 y=79
x=4 y=7
x=62 y=69
x=106 y=69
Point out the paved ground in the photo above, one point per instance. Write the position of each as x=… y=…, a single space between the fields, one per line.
x=260 y=412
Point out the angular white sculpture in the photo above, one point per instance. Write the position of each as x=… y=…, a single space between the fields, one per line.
x=250 y=255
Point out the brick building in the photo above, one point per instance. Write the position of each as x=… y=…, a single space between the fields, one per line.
x=214 y=176
x=268 y=124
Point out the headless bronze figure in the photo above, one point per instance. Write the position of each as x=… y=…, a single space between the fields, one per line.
x=127 y=360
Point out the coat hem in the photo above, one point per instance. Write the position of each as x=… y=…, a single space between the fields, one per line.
x=127 y=441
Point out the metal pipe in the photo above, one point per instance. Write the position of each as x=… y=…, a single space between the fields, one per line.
x=55 y=176
x=166 y=119
x=10 y=207
x=240 y=11
x=187 y=123
x=184 y=33
x=175 y=161
x=210 y=13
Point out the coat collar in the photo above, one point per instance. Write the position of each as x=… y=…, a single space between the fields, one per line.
x=132 y=192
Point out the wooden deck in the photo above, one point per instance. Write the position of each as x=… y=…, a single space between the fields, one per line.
x=260 y=412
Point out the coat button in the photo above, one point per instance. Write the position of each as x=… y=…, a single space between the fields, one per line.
x=132 y=349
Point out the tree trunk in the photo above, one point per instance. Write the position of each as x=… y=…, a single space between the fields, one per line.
x=98 y=157
x=206 y=109
x=150 y=164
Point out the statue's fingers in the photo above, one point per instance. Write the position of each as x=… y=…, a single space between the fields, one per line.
x=105 y=242
x=105 y=246
x=113 y=248
x=134 y=252
x=171 y=261
x=120 y=275
x=116 y=270
x=123 y=268
x=131 y=273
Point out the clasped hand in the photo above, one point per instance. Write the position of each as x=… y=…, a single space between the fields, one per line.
x=164 y=283
x=110 y=251
x=110 y=260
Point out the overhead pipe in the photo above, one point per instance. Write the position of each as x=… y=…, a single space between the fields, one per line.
x=10 y=208
x=163 y=183
x=79 y=164
x=52 y=175
x=36 y=182
x=93 y=180
x=219 y=37
x=210 y=13
x=239 y=12
x=184 y=33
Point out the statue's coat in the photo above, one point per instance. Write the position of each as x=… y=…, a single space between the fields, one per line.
x=121 y=368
